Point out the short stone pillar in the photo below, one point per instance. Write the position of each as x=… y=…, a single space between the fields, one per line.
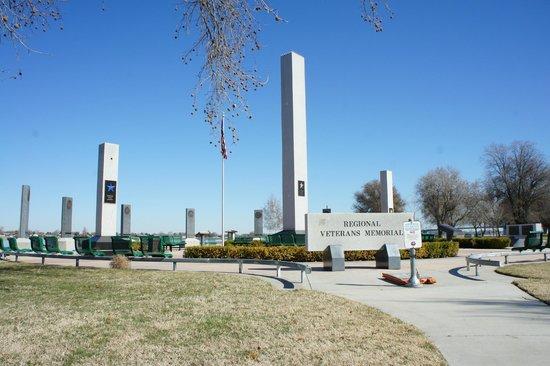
x=334 y=258
x=386 y=191
x=66 y=217
x=125 y=219
x=258 y=222
x=189 y=222
x=388 y=257
x=24 y=214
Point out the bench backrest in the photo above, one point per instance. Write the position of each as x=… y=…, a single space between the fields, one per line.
x=82 y=245
x=155 y=245
x=13 y=244
x=533 y=239
x=177 y=240
x=121 y=245
x=52 y=245
x=5 y=244
x=38 y=244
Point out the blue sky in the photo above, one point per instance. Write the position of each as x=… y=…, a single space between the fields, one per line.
x=444 y=80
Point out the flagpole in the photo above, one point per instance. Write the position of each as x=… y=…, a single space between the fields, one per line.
x=223 y=180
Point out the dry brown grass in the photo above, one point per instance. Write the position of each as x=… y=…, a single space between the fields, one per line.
x=119 y=262
x=100 y=316
x=535 y=278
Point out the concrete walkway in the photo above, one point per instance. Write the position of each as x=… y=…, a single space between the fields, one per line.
x=473 y=321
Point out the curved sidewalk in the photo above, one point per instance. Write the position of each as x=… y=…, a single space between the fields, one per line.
x=481 y=320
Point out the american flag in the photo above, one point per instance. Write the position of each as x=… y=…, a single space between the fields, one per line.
x=223 y=149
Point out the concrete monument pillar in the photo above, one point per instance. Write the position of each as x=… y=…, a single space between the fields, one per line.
x=190 y=223
x=386 y=191
x=125 y=219
x=258 y=222
x=107 y=177
x=293 y=122
x=66 y=217
x=24 y=214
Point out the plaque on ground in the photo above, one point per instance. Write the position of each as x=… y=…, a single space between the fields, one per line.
x=355 y=231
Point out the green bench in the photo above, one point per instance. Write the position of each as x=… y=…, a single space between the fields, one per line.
x=153 y=246
x=5 y=246
x=52 y=246
x=84 y=246
x=172 y=241
x=243 y=240
x=38 y=244
x=533 y=241
x=15 y=248
x=286 y=238
x=126 y=245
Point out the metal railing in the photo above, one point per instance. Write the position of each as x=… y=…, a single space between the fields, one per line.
x=480 y=259
x=303 y=268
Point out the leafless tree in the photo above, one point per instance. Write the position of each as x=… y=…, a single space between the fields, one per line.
x=519 y=175
x=443 y=196
x=19 y=18
x=273 y=214
x=368 y=198
x=226 y=31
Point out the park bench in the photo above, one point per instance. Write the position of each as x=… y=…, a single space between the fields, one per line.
x=5 y=246
x=52 y=246
x=533 y=241
x=172 y=241
x=15 y=248
x=428 y=237
x=243 y=240
x=126 y=245
x=152 y=246
x=38 y=244
x=84 y=246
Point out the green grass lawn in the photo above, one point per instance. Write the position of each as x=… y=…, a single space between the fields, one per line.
x=55 y=315
x=535 y=278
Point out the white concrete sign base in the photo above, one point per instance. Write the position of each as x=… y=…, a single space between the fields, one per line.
x=355 y=231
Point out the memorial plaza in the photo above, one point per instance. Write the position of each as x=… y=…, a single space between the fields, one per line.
x=250 y=182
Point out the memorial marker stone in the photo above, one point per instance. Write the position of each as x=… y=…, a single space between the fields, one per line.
x=125 y=219
x=190 y=223
x=24 y=214
x=258 y=222
x=66 y=217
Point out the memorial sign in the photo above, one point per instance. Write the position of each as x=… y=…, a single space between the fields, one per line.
x=413 y=234
x=355 y=231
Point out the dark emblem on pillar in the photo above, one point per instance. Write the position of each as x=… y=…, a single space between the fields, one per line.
x=301 y=188
x=110 y=191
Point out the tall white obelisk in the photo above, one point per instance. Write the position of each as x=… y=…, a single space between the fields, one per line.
x=107 y=179
x=386 y=191
x=293 y=122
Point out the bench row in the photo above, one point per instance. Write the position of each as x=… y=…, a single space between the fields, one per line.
x=534 y=241
x=136 y=246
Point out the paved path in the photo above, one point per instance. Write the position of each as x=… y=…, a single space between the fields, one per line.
x=473 y=321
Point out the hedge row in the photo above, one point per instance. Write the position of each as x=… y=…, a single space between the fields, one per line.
x=500 y=242
x=300 y=254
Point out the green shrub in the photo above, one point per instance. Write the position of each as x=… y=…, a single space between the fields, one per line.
x=500 y=242
x=300 y=254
